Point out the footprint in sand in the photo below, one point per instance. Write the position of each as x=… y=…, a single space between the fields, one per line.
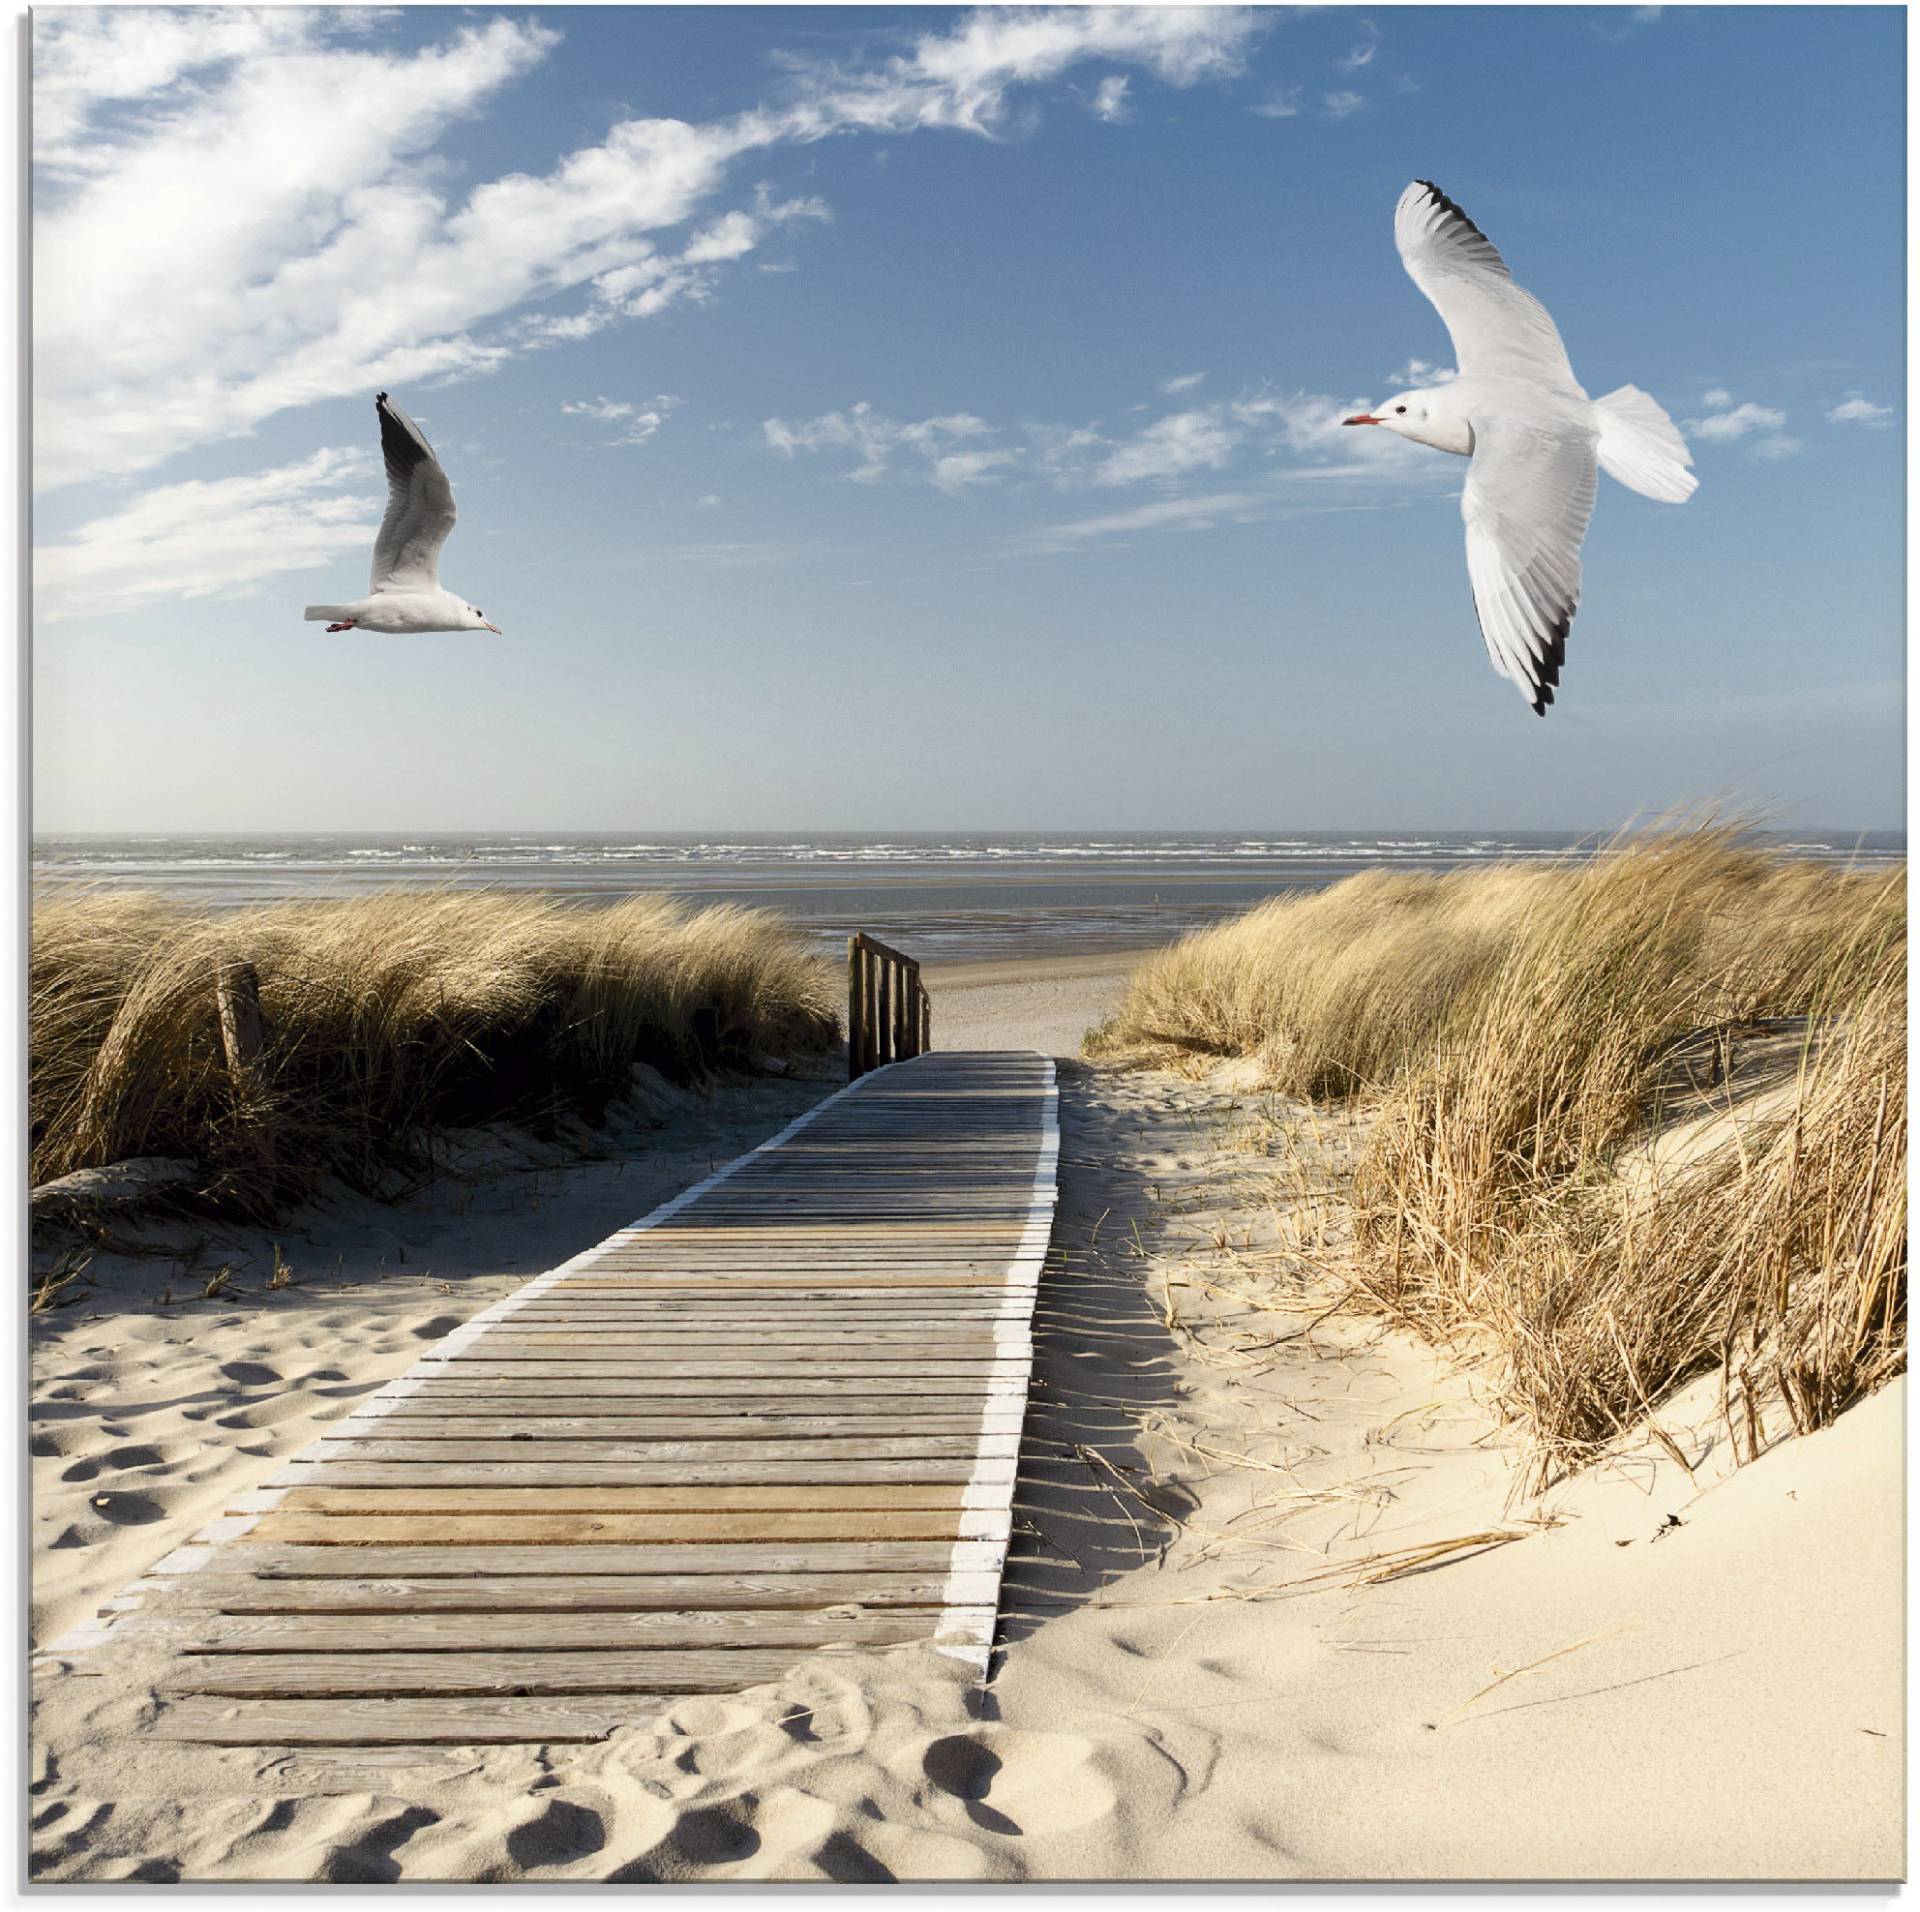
x=555 y=1832
x=1020 y=1783
x=250 y=1374
x=438 y=1326
x=127 y=1510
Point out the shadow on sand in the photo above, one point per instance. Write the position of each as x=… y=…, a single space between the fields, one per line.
x=1086 y=1507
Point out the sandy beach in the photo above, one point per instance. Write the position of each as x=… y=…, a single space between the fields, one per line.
x=1279 y=1604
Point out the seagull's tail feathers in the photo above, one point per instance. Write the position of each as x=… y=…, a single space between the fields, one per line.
x=326 y=613
x=1642 y=447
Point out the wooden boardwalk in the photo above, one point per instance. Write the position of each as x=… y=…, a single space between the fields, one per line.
x=781 y=1412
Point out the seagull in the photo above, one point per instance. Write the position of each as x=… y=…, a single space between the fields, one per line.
x=406 y=594
x=1536 y=440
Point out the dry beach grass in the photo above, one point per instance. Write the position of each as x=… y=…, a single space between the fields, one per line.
x=386 y=1018
x=1517 y=1034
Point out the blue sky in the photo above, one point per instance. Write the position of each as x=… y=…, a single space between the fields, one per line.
x=925 y=419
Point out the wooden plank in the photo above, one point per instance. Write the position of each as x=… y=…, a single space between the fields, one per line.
x=385 y=1722
x=265 y=1558
x=951 y=1385
x=889 y=1496
x=875 y=1448
x=235 y=1593
x=467 y=1420
x=759 y=1527
x=608 y=1631
x=613 y=1475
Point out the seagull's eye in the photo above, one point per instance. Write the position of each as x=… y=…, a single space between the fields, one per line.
x=1399 y=408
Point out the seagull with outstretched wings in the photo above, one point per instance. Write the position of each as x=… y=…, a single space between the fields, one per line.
x=406 y=594
x=1537 y=441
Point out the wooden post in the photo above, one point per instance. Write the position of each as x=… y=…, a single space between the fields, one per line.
x=926 y=1023
x=236 y=993
x=870 y=1003
x=883 y=1019
x=854 y=1006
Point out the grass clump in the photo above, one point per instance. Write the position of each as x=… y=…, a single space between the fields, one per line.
x=1518 y=1033
x=387 y=1018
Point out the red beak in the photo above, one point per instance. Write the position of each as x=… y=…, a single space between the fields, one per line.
x=1363 y=418
x=494 y=628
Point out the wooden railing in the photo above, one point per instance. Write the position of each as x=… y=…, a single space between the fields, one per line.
x=889 y=1016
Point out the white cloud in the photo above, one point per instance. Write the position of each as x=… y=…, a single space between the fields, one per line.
x=1716 y=399
x=1419 y=371
x=282 y=157
x=212 y=538
x=601 y=408
x=1855 y=409
x=1762 y=427
x=1182 y=442
x=1167 y=514
x=876 y=439
x=1622 y=23
x=637 y=423
x=1110 y=99
x=1342 y=105
x=1184 y=383
x=1738 y=422
x=1363 y=51
x=1280 y=104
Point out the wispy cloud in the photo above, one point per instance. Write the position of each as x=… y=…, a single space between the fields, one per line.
x=1761 y=427
x=1185 y=382
x=1419 y=371
x=1622 y=23
x=1170 y=447
x=210 y=538
x=1341 y=105
x=1855 y=409
x=1110 y=99
x=1283 y=103
x=637 y=422
x=1363 y=50
x=949 y=450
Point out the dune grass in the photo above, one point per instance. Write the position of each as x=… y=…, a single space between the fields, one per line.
x=1512 y=1031
x=387 y=1019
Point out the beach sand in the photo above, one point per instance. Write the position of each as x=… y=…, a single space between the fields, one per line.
x=1279 y=1604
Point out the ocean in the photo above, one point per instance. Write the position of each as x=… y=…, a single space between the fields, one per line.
x=942 y=898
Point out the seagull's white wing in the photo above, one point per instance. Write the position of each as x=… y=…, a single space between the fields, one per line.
x=1528 y=497
x=1496 y=328
x=420 y=510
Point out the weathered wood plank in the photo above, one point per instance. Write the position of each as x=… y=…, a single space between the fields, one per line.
x=603 y=1631
x=534 y=1472
x=431 y=1675
x=890 y=1496
x=759 y=1527
x=235 y=1593
x=473 y=1419
x=666 y=1453
x=265 y=1558
x=350 y=1722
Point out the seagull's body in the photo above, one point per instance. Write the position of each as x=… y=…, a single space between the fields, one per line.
x=1536 y=439
x=406 y=594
